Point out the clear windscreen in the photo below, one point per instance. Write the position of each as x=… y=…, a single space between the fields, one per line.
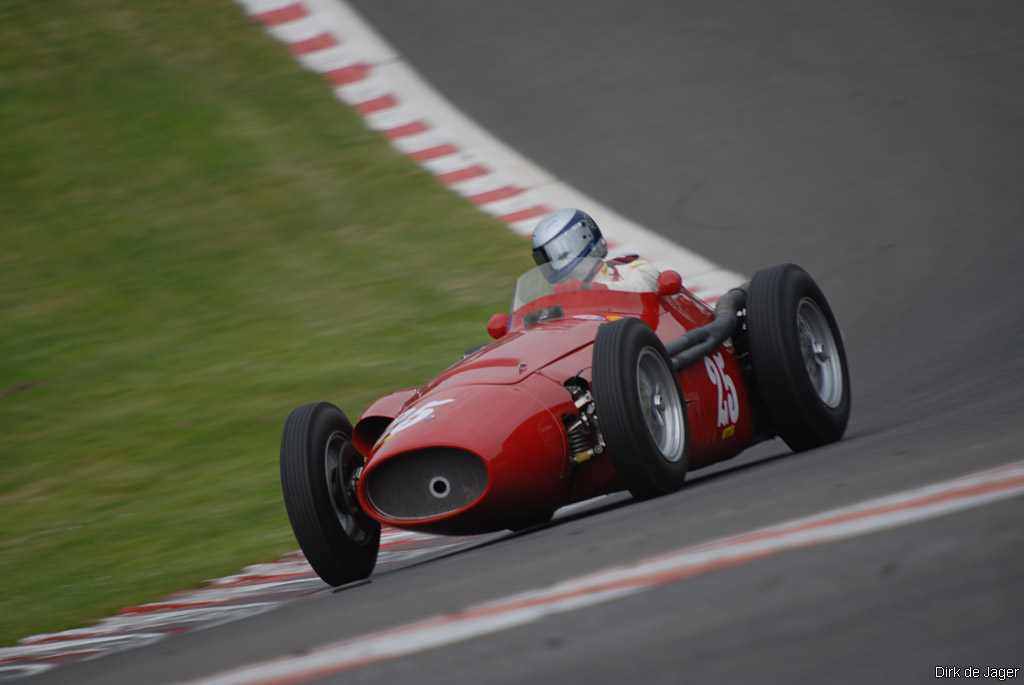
x=541 y=281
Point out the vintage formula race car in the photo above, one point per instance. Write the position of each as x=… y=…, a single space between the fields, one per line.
x=585 y=391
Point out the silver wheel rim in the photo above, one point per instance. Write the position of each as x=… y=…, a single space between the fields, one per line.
x=341 y=462
x=661 y=405
x=820 y=353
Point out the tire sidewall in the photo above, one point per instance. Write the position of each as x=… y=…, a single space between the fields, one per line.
x=328 y=422
x=637 y=459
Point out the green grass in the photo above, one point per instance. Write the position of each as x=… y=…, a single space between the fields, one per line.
x=195 y=238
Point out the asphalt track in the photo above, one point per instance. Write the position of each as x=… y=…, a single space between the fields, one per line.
x=877 y=144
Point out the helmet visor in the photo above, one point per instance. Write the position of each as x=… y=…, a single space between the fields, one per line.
x=566 y=247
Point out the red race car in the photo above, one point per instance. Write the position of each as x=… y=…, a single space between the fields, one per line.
x=586 y=390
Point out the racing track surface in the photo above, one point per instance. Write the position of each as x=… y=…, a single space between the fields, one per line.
x=877 y=144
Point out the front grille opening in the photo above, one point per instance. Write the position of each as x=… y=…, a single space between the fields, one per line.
x=426 y=483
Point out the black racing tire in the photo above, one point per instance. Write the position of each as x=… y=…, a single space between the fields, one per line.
x=317 y=461
x=640 y=409
x=798 y=357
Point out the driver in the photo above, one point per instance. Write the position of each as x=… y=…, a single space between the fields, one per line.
x=563 y=239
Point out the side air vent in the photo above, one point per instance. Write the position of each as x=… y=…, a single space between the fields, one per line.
x=426 y=483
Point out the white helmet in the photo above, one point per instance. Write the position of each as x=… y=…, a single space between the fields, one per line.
x=563 y=238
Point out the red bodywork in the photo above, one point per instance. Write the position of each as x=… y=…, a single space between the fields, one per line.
x=505 y=404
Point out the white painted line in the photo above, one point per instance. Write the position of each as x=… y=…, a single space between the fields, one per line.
x=838 y=524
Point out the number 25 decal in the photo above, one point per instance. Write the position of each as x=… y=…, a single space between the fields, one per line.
x=728 y=403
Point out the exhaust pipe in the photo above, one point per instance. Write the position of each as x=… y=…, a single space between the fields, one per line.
x=700 y=342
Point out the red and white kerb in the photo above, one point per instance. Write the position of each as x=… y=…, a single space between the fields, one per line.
x=304 y=28
x=366 y=74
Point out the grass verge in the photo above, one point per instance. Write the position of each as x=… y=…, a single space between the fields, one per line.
x=196 y=239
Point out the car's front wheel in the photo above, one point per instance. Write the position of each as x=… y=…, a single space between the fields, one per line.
x=319 y=469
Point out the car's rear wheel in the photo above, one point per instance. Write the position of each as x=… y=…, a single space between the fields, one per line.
x=319 y=469
x=798 y=357
x=640 y=408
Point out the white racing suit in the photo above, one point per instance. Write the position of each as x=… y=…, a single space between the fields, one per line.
x=629 y=273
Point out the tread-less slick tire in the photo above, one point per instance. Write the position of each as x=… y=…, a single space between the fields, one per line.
x=640 y=408
x=798 y=357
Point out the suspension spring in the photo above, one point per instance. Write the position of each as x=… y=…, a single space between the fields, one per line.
x=578 y=442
